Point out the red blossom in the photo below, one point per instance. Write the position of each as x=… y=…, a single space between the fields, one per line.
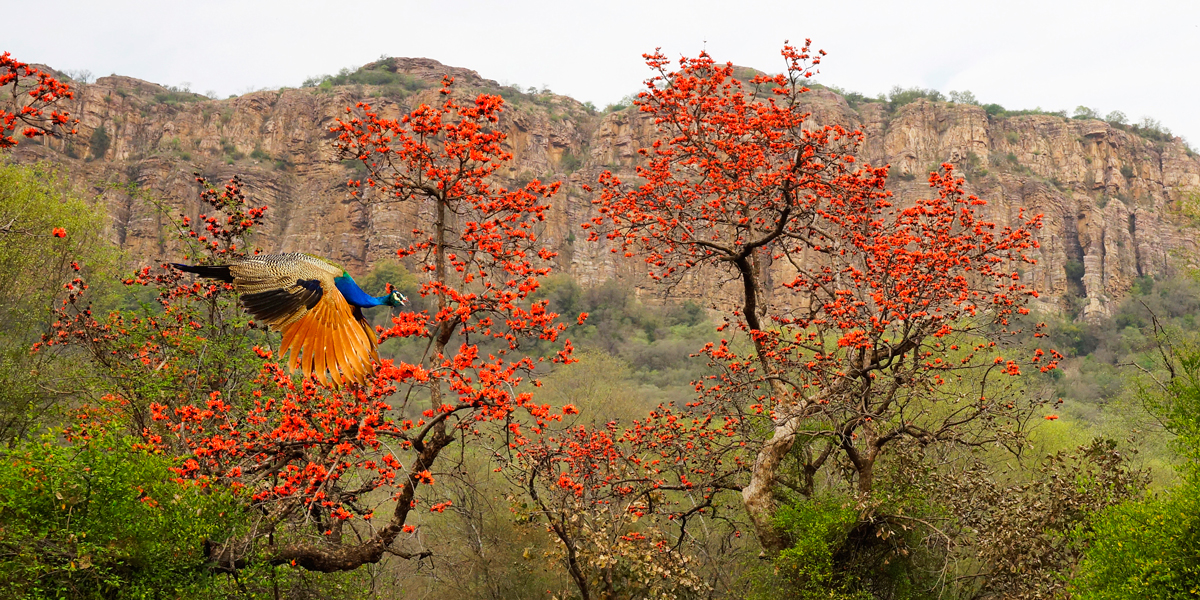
x=33 y=98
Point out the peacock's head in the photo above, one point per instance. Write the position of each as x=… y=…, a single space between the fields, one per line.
x=395 y=298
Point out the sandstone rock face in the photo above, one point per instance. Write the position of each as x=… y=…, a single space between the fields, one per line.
x=1116 y=205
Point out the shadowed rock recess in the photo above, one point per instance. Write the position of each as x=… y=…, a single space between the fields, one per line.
x=1117 y=205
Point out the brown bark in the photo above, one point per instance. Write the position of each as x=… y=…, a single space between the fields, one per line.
x=330 y=558
x=758 y=495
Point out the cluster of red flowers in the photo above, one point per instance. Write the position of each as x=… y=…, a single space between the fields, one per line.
x=28 y=103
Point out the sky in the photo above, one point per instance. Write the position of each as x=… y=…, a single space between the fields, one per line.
x=1140 y=58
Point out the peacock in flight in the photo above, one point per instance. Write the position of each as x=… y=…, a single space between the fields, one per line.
x=316 y=305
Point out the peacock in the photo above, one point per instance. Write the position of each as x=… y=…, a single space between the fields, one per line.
x=317 y=306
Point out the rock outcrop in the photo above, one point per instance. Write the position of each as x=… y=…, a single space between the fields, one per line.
x=1116 y=205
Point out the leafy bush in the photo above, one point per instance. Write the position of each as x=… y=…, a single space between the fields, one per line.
x=993 y=109
x=174 y=97
x=853 y=99
x=808 y=569
x=375 y=74
x=570 y=163
x=231 y=152
x=1151 y=548
x=963 y=97
x=972 y=167
x=622 y=104
x=35 y=262
x=1074 y=270
x=899 y=96
x=99 y=142
x=99 y=519
x=1147 y=549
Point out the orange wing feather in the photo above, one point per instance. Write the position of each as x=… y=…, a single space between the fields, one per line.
x=331 y=339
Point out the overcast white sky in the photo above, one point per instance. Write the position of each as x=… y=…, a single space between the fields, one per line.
x=1141 y=58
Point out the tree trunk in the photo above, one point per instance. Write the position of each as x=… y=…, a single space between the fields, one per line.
x=758 y=495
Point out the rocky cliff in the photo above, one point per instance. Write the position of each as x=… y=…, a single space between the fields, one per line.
x=1116 y=203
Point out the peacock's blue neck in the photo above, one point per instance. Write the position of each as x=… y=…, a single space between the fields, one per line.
x=355 y=295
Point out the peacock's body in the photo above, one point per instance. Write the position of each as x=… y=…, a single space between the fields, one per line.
x=316 y=305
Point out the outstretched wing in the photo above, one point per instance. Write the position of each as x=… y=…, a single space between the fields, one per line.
x=332 y=337
x=280 y=289
x=284 y=305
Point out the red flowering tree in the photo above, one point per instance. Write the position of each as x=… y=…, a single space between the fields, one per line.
x=619 y=498
x=334 y=477
x=854 y=322
x=32 y=102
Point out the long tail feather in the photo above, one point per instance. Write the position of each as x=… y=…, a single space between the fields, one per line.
x=210 y=271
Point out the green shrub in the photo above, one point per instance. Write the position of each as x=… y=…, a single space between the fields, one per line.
x=963 y=97
x=1151 y=548
x=853 y=99
x=375 y=74
x=100 y=519
x=570 y=163
x=972 y=167
x=1143 y=286
x=34 y=265
x=899 y=96
x=808 y=569
x=1074 y=270
x=1147 y=549
x=99 y=142
x=621 y=104
x=231 y=152
x=1152 y=130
